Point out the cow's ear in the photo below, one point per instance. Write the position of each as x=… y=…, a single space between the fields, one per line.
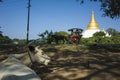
x=31 y=48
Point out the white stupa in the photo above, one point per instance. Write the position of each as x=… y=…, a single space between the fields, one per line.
x=92 y=28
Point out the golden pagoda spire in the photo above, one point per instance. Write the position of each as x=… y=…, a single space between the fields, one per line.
x=93 y=24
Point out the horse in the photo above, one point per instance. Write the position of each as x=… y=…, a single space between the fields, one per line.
x=58 y=38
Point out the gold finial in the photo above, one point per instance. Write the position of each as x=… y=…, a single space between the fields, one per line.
x=93 y=24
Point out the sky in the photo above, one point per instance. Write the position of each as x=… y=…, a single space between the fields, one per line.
x=55 y=15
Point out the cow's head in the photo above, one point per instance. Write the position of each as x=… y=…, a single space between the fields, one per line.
x=39 y=56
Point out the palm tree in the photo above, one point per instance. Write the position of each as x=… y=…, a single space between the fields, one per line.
x=41 y=35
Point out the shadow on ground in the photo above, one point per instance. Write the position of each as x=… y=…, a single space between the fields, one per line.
x=98 y=63
x=71 y=62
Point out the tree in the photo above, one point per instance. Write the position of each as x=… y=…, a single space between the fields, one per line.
x=111 y=8
x=59 y=37
x=5 y=40
x=112 y=32
x=100 y=34
x=115 y=39
x=44 y=35
x=61 y=33
x=1 y=33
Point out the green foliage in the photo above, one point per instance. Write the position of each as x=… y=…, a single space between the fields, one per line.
x=62 y=33
x=60 y=37
x=50 y=37
x=5 y=40
x=1 y=33
x=99 y=34
x=20 y=41
x=99 y=38
x=112 y=32
x=45 y=36
x=87 y=41
x=115 y=39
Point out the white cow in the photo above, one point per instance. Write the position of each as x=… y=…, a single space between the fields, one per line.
x=36 y=54
x=14 y=69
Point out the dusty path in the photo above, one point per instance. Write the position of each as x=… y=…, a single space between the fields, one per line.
x=80 y=63
x=83 y=64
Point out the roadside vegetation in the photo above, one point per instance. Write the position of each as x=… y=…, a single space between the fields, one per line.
x=95 y=58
